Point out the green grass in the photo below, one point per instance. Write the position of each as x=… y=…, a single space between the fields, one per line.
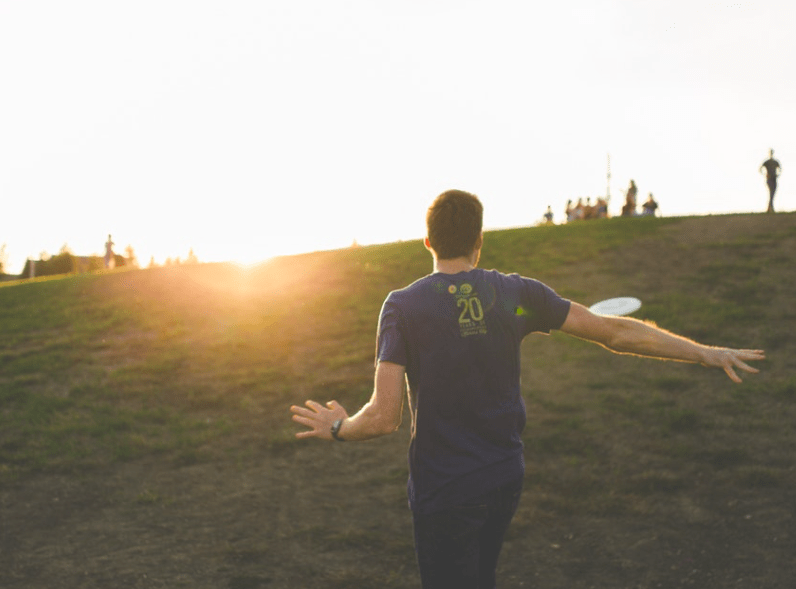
x=166 y=391
x=186 y=362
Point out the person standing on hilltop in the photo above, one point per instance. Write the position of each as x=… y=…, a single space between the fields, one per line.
x=649 y=207
x=773 y=170
x=629 y=209
x=453 y=337
x=602 y=208
x=109 y=257
x=569 y=212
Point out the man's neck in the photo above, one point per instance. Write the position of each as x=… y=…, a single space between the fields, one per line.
x=454 y=266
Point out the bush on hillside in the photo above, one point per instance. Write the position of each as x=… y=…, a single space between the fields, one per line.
x=66 y=263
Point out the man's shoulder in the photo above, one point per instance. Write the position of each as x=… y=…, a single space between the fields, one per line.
x=409 y=290
x=441 y=282
x=507 y=277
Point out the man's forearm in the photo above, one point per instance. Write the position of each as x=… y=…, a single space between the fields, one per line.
x=624 y=335
x=631 y=336
x=367 y=423
x=382 y=414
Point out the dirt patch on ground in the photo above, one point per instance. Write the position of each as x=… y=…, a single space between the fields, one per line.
x=336 y=517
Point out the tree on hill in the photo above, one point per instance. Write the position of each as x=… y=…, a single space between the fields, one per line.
x=67 y=263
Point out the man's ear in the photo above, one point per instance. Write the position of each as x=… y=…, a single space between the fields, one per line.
x=479 y=243
x=427 y=243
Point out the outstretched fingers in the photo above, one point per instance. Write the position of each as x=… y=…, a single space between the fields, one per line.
x=735 y=359
x=751 y=354
x=309 y=433
x=308 y=417
x=731 y=373
x=317 y=418
x=316 y=407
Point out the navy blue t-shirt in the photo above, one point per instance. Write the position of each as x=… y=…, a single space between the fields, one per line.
x=459 y=336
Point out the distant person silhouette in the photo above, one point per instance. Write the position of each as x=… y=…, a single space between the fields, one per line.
x=579 y=210
x=629 y=210
x=602 y=208
x=569 y=212
x=548 y=215
x=109 y=257
x=589 y=210
x=773 y=170
x=649 y=207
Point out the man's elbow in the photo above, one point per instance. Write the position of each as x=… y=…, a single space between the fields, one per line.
x=388 y=425
x=384 y=423
x=618 y=335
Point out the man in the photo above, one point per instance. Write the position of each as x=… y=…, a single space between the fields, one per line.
x=109 y=256
x=649 y=207
x=772 y=171
x=455 y=336
x=629 y=208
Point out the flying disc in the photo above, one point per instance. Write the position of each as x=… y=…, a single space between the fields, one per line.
x=617 y=306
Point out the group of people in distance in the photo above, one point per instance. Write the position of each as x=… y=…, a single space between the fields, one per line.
x=587 y=210
x=599 y=209
x=649 y=208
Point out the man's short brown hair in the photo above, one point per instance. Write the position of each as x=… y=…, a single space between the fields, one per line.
x=453 y=223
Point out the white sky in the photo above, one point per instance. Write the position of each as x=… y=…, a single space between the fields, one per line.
x=245 y=128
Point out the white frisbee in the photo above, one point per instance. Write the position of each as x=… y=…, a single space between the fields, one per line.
x=617 y=306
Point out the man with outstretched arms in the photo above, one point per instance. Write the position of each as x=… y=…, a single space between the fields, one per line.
x=454 y=336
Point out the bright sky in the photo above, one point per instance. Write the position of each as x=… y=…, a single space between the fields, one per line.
x=247 y=128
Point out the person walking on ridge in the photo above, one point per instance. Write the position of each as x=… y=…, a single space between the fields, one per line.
x=453 y=337
x=110 y=258
x=773 y=170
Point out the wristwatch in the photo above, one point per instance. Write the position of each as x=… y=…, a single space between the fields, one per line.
x=336 y=429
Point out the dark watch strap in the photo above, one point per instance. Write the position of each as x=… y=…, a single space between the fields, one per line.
x=336 y=429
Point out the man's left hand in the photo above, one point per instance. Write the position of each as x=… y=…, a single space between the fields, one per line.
x=318 y=419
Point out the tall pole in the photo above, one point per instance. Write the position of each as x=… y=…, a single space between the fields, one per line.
x=608 y=180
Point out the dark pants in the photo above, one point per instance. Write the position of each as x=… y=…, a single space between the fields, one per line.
x=458 y=548
x=772 y=188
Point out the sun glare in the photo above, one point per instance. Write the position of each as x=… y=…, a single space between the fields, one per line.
x=259 y=252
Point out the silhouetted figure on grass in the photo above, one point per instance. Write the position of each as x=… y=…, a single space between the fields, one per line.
x=569 y=211
x=773 y=169
x=589 y=210
x=649 y=207
x=602 y=208
x=629 y=210
x=548 y=215
x=578 y=213
x=110 y=259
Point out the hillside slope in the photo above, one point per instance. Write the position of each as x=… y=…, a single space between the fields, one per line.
x=145 y=438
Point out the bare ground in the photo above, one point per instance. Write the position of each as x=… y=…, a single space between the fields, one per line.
x=311 y=518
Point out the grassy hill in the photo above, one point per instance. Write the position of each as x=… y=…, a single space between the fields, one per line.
x=157 y=399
